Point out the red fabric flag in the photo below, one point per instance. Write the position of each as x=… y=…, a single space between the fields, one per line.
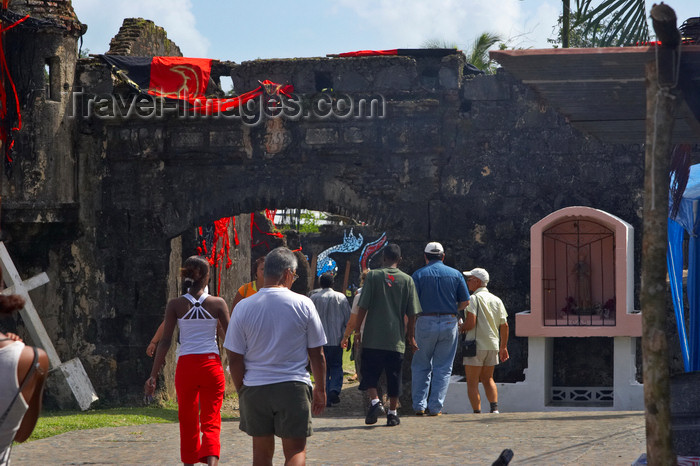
x=179 y=77
x=369 y=53
x=183 y=79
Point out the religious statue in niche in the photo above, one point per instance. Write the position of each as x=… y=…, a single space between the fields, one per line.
x=581 y=277
x=580 y=301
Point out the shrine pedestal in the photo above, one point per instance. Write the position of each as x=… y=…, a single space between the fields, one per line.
x=535 y=392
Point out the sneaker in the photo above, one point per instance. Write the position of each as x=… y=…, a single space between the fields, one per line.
x=439 y=413
x=420 y=412
x=334 y=397
x=374 y=413
x=495 y=412
x=392 y=420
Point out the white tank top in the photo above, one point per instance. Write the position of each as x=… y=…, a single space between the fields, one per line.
x=9 y=358
x=197 y=329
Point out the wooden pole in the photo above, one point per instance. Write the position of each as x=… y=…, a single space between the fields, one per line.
x=565 y=23
x=661 y=104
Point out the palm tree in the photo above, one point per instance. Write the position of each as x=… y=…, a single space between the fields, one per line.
x=619 y=22
x=477 y=54
x=438 y=44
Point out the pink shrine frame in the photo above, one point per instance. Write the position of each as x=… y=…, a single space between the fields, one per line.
x=581 y=276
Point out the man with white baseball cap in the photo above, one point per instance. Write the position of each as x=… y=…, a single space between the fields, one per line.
x=443 y=293
x=487 y=322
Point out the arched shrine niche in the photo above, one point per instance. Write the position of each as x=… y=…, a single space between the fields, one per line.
x=581 y=276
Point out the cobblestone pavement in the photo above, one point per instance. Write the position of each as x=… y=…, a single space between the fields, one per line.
x=556 y=438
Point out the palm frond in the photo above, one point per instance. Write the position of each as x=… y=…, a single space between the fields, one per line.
x=625 y=21
x=633 y=32
x=438 y=44
x=478 y=53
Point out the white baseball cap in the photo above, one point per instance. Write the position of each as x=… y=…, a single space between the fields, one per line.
x=481 y=274
x=434 y=248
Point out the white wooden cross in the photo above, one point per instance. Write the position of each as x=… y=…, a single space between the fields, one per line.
x=73 y=370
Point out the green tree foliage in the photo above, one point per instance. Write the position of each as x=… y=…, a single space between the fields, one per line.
x=304 y=221
x=438 y=44
x=610 y=23
x=477 y=54
x=579 y=36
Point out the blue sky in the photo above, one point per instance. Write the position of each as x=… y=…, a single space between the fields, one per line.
x=240 y=31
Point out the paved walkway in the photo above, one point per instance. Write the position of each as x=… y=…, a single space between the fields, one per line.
x=557 y=438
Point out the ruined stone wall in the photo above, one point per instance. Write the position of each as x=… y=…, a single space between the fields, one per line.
x=41 y=54
x=142 y=38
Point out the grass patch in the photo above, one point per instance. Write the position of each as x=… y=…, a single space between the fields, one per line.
x=348 y=365
x=52 y=423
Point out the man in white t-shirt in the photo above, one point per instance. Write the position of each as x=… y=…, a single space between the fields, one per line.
x=271 y=337
x=334 y=310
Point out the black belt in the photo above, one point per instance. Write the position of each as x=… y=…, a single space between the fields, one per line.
x=438 y=314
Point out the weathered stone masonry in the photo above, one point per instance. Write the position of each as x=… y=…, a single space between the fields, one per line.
x=105 y=205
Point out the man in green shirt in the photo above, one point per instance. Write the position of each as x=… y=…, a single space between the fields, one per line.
x=388 y=301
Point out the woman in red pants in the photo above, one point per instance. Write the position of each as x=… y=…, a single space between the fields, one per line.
x=199 y=376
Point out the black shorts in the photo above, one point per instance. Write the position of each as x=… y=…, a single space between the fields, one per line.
x=374 y=361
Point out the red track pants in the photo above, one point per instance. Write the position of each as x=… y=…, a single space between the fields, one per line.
x=199 y=382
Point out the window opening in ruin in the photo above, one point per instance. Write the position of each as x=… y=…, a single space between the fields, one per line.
x=578 y=270
x=226 y=84
x=324 y=82
x=52 y=79
x=47 y=79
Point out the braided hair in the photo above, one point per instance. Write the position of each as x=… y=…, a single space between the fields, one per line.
x=195 y=273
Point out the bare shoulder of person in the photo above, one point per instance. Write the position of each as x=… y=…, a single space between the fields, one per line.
x=218 y=303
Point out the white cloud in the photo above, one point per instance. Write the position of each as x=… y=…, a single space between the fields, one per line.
x=539 y=25
x=175 y=16
x=412 y=22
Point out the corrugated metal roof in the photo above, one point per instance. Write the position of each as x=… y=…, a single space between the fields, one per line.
x=602 y=91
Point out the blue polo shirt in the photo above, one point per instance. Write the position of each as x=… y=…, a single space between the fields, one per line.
x=440 y=288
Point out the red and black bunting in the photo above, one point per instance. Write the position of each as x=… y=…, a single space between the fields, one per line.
x=210 y=236
x=172 y=77
x=437 y=52
x=183 y=79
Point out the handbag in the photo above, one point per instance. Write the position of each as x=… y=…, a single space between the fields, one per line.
x=469 y=346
